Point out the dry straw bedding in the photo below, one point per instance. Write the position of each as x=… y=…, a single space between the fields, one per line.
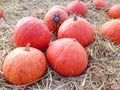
x=103 y=72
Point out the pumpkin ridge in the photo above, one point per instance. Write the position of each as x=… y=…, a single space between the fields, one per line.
x=62 y=51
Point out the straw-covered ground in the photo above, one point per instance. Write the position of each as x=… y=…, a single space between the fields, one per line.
x=103 y=72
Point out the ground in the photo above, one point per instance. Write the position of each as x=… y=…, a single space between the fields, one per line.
x=103 y=72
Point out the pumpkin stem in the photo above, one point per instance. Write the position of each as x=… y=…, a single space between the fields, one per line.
x=75 y=17
x=56 y=18
x=74 y=39
x=27 y=47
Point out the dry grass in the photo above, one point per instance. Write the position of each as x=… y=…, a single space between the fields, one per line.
x=103 y=72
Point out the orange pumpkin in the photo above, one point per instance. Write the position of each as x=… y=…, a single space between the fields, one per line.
x=78 y=28
x=31 y=30
x=100 y=4
x=114 y=11
x=1 y=13
x=77 y=7
x=60 y=7
x=111 y=30
x=67 y=57
x=24 y=65
x=54 y=18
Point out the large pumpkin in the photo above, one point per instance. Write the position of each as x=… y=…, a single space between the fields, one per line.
x=114 y=11
x=100 y=4
x=31 y=30
x=77 y=7
x=54 y=18
x=24 y=65
x=78 y=28
x=111 y=30
x=67 y=57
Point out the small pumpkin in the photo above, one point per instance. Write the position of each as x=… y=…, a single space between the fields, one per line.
x=60 y=7
x=111 y=30
x=24 y=65
x=100 y=4
x=77 y=7
x=67 y=57
x=1 y=13
x=78 y=28
x=31 y=30
x=54 y=18
x=114 y=11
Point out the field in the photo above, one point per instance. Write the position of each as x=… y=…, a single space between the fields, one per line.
x=103 y=72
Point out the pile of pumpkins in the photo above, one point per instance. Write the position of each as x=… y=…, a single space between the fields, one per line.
x=66 y=55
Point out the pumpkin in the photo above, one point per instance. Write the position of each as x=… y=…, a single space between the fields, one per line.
x=78 y=28
x=100 y=4
x=67 y=57
x=77 y=7
x=24 y=65
x=111 y=30
x=114 y=11
x=31 y=30
x=1 y=13
x=60 y=7
x=54 y=18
